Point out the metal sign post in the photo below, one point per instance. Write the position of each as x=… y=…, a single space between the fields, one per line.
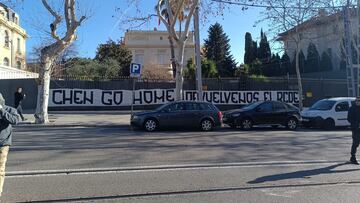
x=132 y=97
x=135 y=73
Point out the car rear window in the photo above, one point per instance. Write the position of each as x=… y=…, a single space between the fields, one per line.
x=206 y=107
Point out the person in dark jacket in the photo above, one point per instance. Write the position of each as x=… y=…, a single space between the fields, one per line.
x=19 y=97
x=8 y=117
x=354 y=120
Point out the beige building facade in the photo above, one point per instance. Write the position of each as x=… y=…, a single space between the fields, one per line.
x=12 y=39
x=152 y=48
x=325 y=31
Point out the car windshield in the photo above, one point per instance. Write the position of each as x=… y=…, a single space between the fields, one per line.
x=251 y=106
x=161 y=107
x=323 y=105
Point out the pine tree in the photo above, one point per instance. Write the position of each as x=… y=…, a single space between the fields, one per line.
x=217 y=49
x=312 y=60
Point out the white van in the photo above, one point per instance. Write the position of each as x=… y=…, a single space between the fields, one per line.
x=328 y=113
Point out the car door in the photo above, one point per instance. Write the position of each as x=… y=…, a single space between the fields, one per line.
x=263 y=113
x=193 y=114
x=341 y=111
x=171 y=116
x=279 y=114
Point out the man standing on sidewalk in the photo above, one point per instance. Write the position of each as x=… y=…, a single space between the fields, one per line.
x=19 y=97
x=8 y=117
x=354 y=120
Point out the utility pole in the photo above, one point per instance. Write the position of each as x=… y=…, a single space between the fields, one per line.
x=349 y=59
x=198 y=53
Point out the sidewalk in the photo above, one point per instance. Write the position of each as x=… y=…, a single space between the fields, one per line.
x=85 y=119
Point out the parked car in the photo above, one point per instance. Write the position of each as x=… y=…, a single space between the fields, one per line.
x=328 y=113
x=271 y=113
x=182 y=114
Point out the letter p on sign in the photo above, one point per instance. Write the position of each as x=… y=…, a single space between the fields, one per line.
x=135 y=70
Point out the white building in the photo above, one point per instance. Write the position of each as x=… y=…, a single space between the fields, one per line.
x=325 y=31
x=152 y=48
x=12 y=46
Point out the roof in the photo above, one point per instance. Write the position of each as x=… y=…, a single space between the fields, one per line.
x=13 y=73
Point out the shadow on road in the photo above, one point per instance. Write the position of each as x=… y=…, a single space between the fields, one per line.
x=302 y=174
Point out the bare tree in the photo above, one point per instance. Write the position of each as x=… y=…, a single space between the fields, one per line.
x=289 y=17
x=178 y=13
x=174 y=9
x=50 y=53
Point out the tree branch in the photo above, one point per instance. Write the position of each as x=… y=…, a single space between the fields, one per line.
x=57 y=21
x=190 y=15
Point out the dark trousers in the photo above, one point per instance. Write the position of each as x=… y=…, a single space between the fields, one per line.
x=356 y=141
x=20 y=111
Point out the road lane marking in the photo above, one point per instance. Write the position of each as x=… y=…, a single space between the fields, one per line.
x=161 y=168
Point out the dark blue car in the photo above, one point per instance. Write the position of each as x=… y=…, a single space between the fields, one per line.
x=272 y=113
x=183 y=114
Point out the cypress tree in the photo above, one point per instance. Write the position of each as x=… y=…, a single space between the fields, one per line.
x=302 y=62
x=285 y=64
x=217 y=49
x=264 y=52
x=326 y=64
x=250 y=49
x=312 y=60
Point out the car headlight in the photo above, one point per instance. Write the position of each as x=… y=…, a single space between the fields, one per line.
x=135 y=117
x=235 y=114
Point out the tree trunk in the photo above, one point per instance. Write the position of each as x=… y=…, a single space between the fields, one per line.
x=179 y=71
x=173 y=57
x=300 y=88
x=41 y=115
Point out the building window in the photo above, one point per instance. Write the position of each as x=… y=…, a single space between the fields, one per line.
x=6 y=62
x=139 y=57
x=18 y=45
x=16 y=20
x=18 y=65
x=7 y=39
x=161 y=57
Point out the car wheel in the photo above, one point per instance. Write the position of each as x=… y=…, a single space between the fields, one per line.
x=150 y=125
x=292 y=124
x=206 y=125
x=247 y=124
x=329 y=124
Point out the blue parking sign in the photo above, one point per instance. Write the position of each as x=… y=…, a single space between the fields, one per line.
x=135 y=70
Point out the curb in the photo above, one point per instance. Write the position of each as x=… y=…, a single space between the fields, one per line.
x=72 y=125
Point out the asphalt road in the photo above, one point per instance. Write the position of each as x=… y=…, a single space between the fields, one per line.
x=120 y=165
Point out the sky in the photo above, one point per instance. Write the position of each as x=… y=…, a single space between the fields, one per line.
x=105 y=22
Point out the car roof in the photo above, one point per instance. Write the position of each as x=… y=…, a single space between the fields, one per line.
x=340 y=99
x=202 y=102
